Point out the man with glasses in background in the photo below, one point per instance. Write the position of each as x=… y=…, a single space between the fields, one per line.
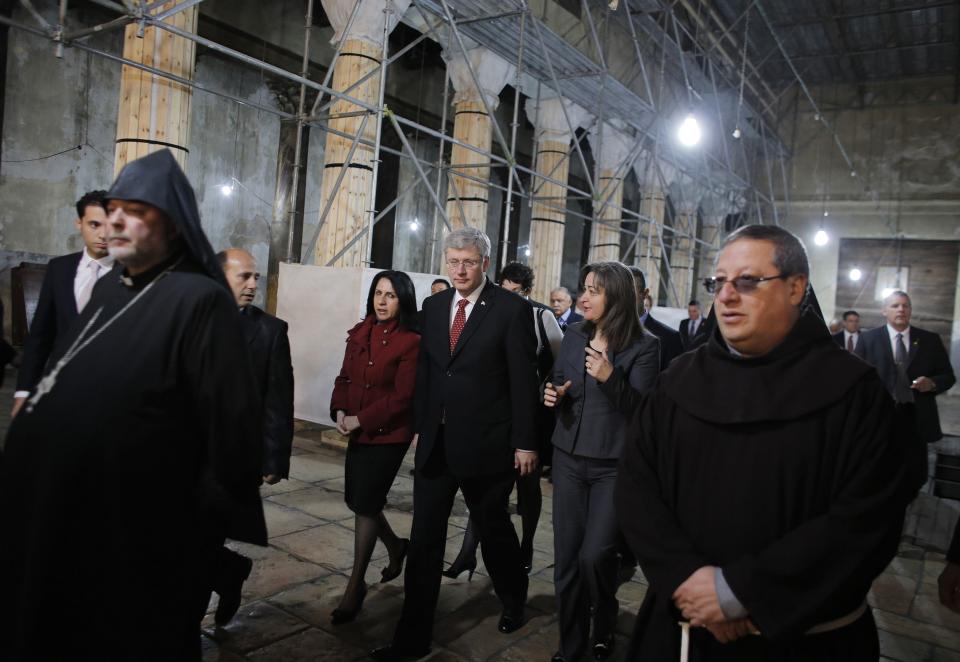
x=474 y=415
x=763 y=490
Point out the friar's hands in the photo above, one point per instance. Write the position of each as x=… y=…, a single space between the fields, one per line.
x=598 y=365
x=697 y=598
x=923 y=384
x=949 y=585
x=553 y=394
x=730 y=631
x=525 y=462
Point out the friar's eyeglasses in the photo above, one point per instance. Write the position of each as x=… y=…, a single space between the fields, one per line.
x=742 y=284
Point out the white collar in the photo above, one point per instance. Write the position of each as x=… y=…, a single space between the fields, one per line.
x=473 y=297
x=893 y=333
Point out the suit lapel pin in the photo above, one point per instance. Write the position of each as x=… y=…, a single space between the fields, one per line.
x=483 y=303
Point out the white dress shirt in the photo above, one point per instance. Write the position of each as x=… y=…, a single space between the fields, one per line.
x=893 y=340
x=84 y=271
x=472 y=298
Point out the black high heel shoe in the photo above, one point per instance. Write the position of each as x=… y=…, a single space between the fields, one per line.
x=341 y=616
x=603 y=648
x=457 y=567
x=393 y=570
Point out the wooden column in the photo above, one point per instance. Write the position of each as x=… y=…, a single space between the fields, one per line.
x=548 y=216
x=653 y=204
x=347 y=214
x=360 y=54
x=610 y=147
x=473 y=125
x=681 y=257
x=154 y=112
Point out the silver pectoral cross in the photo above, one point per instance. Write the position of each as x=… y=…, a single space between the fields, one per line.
x=45 y=386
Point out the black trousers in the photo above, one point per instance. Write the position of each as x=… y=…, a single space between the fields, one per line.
x=585 y=534
x=487 y=497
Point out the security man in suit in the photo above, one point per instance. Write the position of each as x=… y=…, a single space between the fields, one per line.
x=67 y=286
x=915 y=368
x=670 y=343
x=474 y=412
x=273 y=371
x=849 y=336
x=693 y=330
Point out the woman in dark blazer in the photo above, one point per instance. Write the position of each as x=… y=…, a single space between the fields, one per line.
x=599 y=357
x=371 y=403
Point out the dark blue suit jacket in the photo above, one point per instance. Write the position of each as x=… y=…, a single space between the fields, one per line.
x=55 y=314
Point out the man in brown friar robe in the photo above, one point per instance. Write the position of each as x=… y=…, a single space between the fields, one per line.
x=762 y=491
x=140 y=444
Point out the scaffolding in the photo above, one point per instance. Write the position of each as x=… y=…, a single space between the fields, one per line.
x=676 y=62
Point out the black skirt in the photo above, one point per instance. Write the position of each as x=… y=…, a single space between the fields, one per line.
x=369 y=473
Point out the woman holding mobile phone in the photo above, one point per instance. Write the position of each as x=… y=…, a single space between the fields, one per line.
x=599 y=357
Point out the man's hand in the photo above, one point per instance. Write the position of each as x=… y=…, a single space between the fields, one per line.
x=729 y=631
x=697 y=599
x=271 y=479
x=553 y=394
x=923 y=384
x=340 y=416
x=525 y=461
x=949 y=585
x=17 y=404
x=598 y=366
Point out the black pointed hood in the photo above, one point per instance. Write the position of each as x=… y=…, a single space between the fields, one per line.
x=805 y=373
x=158 y=180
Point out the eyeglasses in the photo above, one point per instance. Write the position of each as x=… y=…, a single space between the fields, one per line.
x=742 y=284
x=454 y=263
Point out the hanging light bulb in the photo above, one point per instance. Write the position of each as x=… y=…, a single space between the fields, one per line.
x=736 y=133
x=414 y=225
x=226 y=190
x=689 y=132
x=821 y=238
x=855 y=274
x=527 y=252
x=825 y=213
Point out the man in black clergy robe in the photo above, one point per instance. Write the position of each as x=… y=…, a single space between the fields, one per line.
x=273 y=375
x=141 y=441
x=475 y=406
x=762 y=489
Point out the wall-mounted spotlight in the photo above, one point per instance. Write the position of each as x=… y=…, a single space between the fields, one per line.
x=855 y=274
x=821 y=238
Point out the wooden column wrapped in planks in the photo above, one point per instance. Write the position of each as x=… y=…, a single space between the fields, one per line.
x=611 y=147
x=653 y=204
x=361 y=53
x=472 y=124
x=548 y=215
x=154 y=112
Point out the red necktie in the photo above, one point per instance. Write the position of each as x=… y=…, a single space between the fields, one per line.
x=459 y=321
x=850 y=343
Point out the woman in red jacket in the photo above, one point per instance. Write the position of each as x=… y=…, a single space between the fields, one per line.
x=371 y=403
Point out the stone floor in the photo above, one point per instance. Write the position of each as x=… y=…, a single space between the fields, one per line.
x=298 y=580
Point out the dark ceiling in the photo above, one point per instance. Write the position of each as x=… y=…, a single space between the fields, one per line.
x=850 y=41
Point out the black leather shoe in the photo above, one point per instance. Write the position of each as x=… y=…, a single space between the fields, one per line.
x=393 y=653
x=557 y=657
x=526 y=556
x=230 y=597
x=603 y=648
x=510 y=621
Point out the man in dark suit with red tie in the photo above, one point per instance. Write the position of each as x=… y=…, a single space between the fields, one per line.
x=914 y=366
x=67 y=287
x=474 y=413
x=849 y=337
